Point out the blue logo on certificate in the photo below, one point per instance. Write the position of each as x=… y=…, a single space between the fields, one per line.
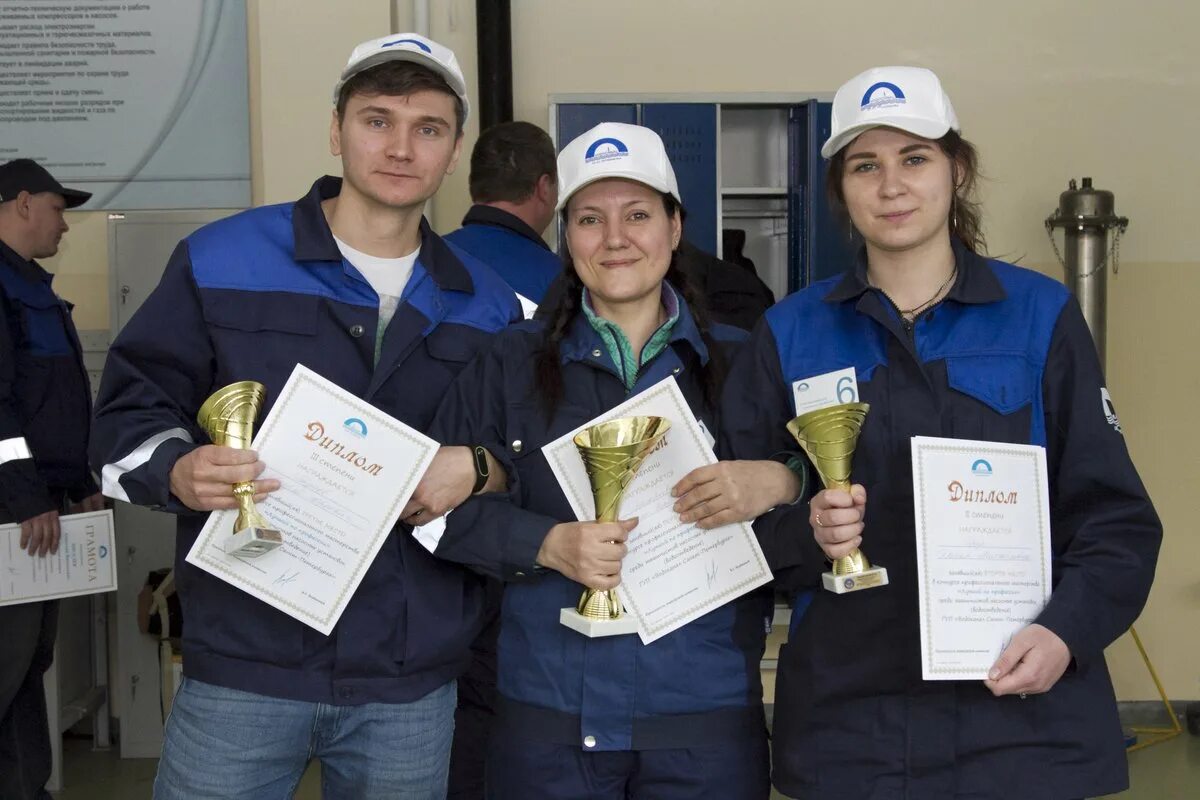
x=981 y=468
x=356 y=426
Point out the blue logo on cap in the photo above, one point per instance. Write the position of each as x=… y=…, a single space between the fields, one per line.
x=356 y=426
x=981 y=468
x=605 y=149
x=419 y=44
x=889 y=95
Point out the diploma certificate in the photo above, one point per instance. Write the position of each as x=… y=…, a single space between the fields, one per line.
x=674 y=572
x=84 y=564
x=346 y=470
x=983 y=550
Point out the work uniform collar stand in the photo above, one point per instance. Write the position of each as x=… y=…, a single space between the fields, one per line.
x=976 y=282
x=480 y=214
x=583 y=341
x=29 y=270
x=314 y=240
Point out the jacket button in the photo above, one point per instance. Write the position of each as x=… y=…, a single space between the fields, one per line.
x=356 y=331
x=596 y=353
x=520 y=574
x=516 y=445
x=589 y=741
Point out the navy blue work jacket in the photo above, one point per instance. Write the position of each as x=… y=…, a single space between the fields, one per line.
x=1006 y=357
x=248 y=298
x=509 y=246
x=45 y=399
x=697 y=686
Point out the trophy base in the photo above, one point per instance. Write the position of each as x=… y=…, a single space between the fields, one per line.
x=252 y=542
x=596 y=628
x=867 y=579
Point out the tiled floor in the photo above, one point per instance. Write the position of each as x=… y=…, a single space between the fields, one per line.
x=1169 y=771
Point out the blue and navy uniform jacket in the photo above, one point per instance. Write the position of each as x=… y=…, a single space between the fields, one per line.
x=509 y=246
x=697 y=686
x=1007 y=357
x=249 y=298
x=45 y=399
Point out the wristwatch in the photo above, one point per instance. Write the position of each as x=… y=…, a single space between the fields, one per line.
x=479 y=456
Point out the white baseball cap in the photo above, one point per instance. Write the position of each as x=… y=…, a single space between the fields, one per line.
x=407 y=47
x=908 y=98
x=615 y=150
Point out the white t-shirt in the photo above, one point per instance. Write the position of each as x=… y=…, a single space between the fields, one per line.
x=387 y=276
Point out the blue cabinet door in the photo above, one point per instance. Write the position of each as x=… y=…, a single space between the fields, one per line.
x=818 y=244
x=577 y=118
x=689 y=132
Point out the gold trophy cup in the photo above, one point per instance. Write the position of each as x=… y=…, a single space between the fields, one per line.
x=612 y=452
x=828 y=436
x=227 y=416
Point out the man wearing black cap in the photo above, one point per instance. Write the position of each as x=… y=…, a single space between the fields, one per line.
x=45 y=406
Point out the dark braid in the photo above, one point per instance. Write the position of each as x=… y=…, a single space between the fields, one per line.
x=712 y=373
x=549 y=382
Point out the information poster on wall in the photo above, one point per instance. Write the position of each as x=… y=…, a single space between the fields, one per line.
x=146 y=105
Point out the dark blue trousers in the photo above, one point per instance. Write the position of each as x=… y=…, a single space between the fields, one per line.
x=521 y=769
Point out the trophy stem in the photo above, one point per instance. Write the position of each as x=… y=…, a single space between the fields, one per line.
x=248 y=516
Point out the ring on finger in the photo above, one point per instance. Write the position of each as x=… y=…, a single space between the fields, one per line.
x=818 y=521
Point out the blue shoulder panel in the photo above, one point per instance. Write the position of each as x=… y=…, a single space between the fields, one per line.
x=491 y=307
x=254 y=251
x=846 y=338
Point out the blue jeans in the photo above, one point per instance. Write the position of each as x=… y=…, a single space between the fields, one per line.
x=228 y=744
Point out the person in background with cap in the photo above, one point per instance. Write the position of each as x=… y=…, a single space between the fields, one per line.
x=45 y=411
x=944 y=342
x=608 y=717
x=514 y=188
x=351 y=281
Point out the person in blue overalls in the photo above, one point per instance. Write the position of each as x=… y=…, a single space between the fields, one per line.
x=944 y=342
x=610 y=717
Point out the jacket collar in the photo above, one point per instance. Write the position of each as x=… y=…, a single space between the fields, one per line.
x=976 y=283
x=480 y=214
x=314 y=240
x=29 y=270
x=582 y=339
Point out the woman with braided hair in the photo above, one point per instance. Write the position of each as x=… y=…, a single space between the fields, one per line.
x=606 y=717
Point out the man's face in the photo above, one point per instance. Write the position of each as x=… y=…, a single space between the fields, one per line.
x=46 y=223
x=396 y=150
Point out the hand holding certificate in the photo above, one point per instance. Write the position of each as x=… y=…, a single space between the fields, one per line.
x=84 y=564
x=983 y=550
x=346 y=470
x=674 y=572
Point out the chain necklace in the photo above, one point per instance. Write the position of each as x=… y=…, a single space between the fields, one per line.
x=910 y=314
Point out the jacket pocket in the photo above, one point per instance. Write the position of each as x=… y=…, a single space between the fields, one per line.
x=43 y=324
x=1005 y=383
x=256 y=312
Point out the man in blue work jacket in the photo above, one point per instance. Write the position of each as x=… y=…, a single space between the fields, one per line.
x=514 y=187
x=45 y=406
x=350 y=281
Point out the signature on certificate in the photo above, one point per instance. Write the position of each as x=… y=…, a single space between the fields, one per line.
x=286 y=577
x=710 y=572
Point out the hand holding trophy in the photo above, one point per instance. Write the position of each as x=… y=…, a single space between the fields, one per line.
x=828 y=437
x=612 y=453
x=227 y=416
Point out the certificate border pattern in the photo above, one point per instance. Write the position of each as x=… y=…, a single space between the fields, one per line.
x=364 y=561
x=1030 y=452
